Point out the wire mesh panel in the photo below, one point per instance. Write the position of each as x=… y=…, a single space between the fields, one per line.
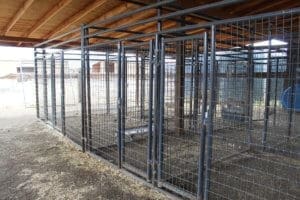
x=58 y=93
x=255 y=137
x=73 y=98
x=102 y=127
x=183 y=98
x=136 y=116
x=40 y=87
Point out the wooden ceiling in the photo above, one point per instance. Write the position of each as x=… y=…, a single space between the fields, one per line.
x=28 y=22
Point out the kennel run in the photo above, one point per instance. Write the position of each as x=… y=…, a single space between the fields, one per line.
x=206 y=111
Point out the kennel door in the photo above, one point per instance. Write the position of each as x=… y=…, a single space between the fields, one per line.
x=183 y=101
x=137 y=87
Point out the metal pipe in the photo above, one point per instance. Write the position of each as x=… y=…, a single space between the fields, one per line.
x=88 y=93
x=142 y=106
x=37 y=105
x=119 y=105
x=83 y=97
x=107 y=89
x=267 y=89
x=150 y=114
x=157 y=18
x=156 y=109
x=161 y=114
x=202 y=25
x=53 y=90
x=62 y=88
x=123 y=102
x=212 y=105
x=204 y=89
x=45 y=86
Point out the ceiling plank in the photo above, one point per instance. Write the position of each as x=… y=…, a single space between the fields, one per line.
x=17 y=16
x=51 y=13
x=115 y=11
x=75 y=18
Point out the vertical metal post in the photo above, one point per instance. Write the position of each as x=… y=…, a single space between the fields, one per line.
x=45 y=86
x=142 y=87
x=203 y=118
x=192 y=86
x=53 y=90
x=137 y=78
x=212 y=105
x=197 y=84
x=250 y=83
x=119 y=105
x=267 y=89
x=161 y=114
x=83 y=96
x=62 y=88
x=150 y=113
x=107 y=89
x=156 y=108
x=36 y=84
x=88 y=93
x=123 y=101
x=276 y=88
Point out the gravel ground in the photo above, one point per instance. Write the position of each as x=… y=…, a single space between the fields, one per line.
x=37 y=163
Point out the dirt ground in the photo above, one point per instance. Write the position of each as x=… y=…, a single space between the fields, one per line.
x=37 y=163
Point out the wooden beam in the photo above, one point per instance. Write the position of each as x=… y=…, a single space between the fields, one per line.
x=115 y=11
x=17 y=16
x=26 y=40
x=52 y=12
x=75 y=18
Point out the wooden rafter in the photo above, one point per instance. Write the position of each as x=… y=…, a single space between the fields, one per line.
x=75 y=18
x=52 y=12
x=115 y=11
x=17 y=16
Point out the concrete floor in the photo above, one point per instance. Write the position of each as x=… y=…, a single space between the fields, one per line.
x=37 y=163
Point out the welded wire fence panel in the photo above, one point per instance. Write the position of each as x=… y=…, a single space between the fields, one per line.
x=73 y=100
x=183 y=65
x=136 y=116
x=57 y=76
x=255 y=149
x=40 y=88
x=102 y=127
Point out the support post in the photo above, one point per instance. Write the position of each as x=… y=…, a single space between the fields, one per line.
x=161 y=114
x=197 y=84
x=62 y=88
x=267 y=89
x=88 y=94
x=204 y=89
x=36 y=78
x=212 y=105
x=123 y=101
x=45 y=86
x=119 y=105
x=107 y=89
x=157 y=107
x=137 y=78
x=142 y=87
x=250 y=84
x=83 y=90
x=53 y=90
x=276 y=88
x=150 y=113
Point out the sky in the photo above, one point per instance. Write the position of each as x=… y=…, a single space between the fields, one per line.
x=12 y=57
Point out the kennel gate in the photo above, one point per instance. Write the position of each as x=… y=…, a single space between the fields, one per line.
x=183 y=96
